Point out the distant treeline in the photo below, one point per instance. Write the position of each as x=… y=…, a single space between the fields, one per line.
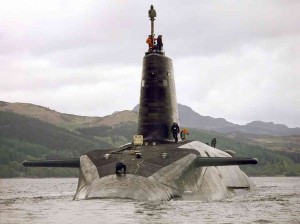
x=270 y=163
x=23 y=138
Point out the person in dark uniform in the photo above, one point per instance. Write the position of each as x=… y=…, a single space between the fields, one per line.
x=213 y=142
x=119 y=167
x=175 y=130
x=159 y=42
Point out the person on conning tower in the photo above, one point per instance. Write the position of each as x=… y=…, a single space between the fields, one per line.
x=150 y=43
x=159 y=43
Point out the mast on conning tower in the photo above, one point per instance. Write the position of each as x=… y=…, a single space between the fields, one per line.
x=155 y=44
x=152 y=15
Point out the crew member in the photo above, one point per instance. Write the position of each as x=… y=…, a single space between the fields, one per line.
x=159 y=42
x=183 y=134
x=175 y=130
x=119 y=167
x=149 y=41
x=213 y=142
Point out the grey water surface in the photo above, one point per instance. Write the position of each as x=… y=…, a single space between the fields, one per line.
x=275 y=200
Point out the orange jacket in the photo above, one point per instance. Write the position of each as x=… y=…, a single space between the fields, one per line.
x=149 y=41
x=185 y=131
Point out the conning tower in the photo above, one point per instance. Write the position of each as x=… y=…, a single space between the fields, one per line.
x=158 y=105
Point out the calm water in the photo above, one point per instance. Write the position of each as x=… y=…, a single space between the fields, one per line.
x=276 y=200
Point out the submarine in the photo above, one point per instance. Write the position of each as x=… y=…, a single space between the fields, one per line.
x=154 y=166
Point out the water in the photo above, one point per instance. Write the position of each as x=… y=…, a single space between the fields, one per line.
x=275 y=200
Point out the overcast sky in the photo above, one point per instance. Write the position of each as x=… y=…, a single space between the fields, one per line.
x=239 y=60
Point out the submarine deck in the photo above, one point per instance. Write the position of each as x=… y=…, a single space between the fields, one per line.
x=150 y=162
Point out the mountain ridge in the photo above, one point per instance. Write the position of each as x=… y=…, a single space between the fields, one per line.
x=188 y=118
x=191 y=119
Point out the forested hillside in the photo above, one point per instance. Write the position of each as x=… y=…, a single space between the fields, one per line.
x=270 y=163
x=24 y=138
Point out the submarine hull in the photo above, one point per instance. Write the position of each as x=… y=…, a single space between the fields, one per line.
x=158 y=169
x=153 y=178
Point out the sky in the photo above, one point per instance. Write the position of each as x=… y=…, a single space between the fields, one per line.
x=233 y=59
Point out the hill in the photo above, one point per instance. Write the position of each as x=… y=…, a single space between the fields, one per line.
x=191 y=119
x=188 y=118
x=53 y=135
x=24 y=138
x=68 y=121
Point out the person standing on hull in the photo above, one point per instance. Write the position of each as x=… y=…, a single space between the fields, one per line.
x=183 y=134
x=119 y=167
x=175 y=130
x=213 y=142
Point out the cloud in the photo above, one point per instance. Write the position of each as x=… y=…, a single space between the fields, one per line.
x=253 y=84
x=233 y=59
